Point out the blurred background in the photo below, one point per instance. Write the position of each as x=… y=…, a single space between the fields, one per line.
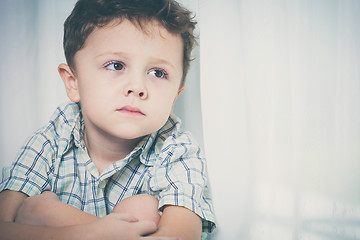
x=273 y=96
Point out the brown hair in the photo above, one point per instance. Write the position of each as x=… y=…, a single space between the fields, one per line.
x=89 y=14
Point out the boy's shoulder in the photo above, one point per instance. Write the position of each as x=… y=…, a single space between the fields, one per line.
x=38 y=156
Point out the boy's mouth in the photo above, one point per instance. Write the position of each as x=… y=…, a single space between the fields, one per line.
x=130 y=110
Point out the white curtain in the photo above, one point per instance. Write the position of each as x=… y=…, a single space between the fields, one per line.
x=280 y=100
x=280 y=87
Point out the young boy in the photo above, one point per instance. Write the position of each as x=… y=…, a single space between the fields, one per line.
x=116 y=151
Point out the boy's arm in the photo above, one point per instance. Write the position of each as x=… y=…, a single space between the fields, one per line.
x=47 y=210
x=175 y=221
x=181 y=222
x=10 y=202
x=114 y=226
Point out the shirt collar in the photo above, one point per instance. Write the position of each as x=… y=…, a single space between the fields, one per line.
x=146 y=146
x=78 y=132
x=152 y=146
x=69 y=126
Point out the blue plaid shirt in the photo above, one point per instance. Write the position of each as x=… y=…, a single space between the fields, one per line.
x=167 y=164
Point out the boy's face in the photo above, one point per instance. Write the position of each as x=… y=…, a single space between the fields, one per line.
x=126 y=80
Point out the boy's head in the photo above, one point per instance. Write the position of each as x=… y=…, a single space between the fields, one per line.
x=127 y=60
x=90 y=14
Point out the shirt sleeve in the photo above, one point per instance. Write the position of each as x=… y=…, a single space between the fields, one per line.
x=30 y=172
x=180 y=177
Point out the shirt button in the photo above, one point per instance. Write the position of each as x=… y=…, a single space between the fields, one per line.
x=102 y=184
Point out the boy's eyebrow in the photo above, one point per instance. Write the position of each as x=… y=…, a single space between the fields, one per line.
x=106 y=54
x=162 y=61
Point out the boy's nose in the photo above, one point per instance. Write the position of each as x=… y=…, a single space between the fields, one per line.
x=136 y=91
x=135 y=85
x=141 y=94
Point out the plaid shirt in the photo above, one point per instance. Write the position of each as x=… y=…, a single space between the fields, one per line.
x=166 y=164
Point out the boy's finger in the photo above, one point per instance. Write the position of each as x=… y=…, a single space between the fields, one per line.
x=160 y=238
x=144 y=227
x=125 y=217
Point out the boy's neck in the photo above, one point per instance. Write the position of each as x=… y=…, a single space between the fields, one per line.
x=104 y=152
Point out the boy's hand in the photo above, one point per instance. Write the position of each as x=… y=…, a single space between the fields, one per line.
x=124 y=226
x=147 y=211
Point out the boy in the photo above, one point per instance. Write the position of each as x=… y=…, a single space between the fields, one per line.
x=116 y=145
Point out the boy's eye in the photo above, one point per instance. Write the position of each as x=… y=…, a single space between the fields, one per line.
x=159 y=73
x=115 y=66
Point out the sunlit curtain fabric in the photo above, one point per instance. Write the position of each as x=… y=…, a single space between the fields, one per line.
x=280 y=87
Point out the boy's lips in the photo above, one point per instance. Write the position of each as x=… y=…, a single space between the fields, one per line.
x=130 y=110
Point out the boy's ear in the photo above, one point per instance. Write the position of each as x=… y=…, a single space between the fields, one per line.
x=178 y=94
x=180 y=90
x=70 y=82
